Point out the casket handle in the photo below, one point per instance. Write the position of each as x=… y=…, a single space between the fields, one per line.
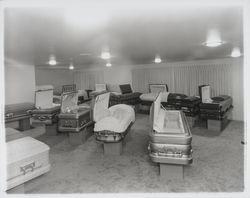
x=28 y=167
x=83 y=123
x=42 y=118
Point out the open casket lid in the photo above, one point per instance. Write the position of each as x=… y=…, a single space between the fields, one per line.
x=44 y=97
x=166 y=121
x=156 y=106
x=69 y=102
x=101 y=106
x=206 y=94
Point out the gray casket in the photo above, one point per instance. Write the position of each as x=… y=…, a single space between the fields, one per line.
x=170 y=137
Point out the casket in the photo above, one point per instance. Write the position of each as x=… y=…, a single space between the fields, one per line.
x=219 y=107
x=170 y=138
x=73 y=122
x=46 y=111
x=175 y=101
x=190 y=105
x=20 y=112
x=46 y=116
x=73 y=118
x=27 y=158
x=112 y=124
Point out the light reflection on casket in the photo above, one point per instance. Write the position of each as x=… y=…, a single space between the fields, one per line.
x=112 y=124
x=170 y=137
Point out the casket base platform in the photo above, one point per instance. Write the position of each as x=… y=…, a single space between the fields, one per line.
x=112 y=148
x=217 y=125
x=170 y=171
x=77 y=138
x=192 y=120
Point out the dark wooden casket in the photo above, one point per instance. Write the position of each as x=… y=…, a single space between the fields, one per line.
x=20 y=112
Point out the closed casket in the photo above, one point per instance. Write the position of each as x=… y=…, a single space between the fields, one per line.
x=20 y=112
x=27 y=158
x=170 y=138
x=218 y=108
x=15 y=112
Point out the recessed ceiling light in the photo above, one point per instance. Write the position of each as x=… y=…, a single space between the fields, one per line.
x=157 y=59
x=235 y=52
x=108 y=64
x=52 y=60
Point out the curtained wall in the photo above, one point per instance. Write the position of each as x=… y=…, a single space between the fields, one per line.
x=57 y=78
x=186 y=78
x=88 y=79
x=224 y=75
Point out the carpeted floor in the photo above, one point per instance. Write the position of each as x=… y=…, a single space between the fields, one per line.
x=217 y=165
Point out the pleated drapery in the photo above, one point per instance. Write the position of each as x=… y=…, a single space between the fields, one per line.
x=186 y=79
x=88 y=79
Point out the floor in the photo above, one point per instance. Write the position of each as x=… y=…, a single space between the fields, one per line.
x=217 y=165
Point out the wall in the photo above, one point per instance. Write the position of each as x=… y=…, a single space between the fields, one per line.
x=57 y=78
x=113 y=76
x=19 y=82
x=224 y=75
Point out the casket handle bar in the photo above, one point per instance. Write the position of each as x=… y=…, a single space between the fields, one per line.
x=9 y=115
x=83 y=123
x=28 y=167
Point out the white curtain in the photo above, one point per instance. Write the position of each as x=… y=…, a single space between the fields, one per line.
x=88 y=79
x=186 y=78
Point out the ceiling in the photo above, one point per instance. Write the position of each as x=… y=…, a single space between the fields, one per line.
x=134 y=35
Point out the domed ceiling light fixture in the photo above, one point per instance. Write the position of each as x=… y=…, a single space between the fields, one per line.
x=157 y=59
x=52 y=60
x=235 y=52
x=213 y=38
